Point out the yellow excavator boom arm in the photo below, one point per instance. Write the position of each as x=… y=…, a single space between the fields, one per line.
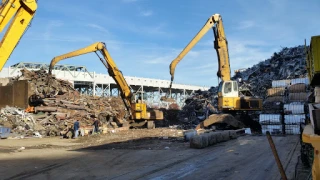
x=22 y=12
x=108 y=62
x=220 y=44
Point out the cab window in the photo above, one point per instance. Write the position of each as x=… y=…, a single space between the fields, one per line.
x=227 y=87
x=235 y=86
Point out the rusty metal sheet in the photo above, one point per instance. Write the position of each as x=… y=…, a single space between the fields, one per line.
x=6 y=96
x=15 y=95
x=21 y=93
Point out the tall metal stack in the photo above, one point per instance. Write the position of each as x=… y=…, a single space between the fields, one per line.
x=295 y=107
x=272 y=118
x=285 y=106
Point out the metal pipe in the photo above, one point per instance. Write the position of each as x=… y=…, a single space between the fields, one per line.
x=275 y=153
x=45 y=109
x=76 y=107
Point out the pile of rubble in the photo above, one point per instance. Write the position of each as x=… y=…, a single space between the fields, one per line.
x=55 y=105
x=286 y=64
x=197 y=108
x=289 y=63
x=45 y=85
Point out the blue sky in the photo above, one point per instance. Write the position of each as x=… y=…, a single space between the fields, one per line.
x=144 y=36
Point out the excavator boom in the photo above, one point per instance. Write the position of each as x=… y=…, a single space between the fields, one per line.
x=21 y=12
x=220 y=44
x=229 y=99
x=137 y=110
x=108 y=62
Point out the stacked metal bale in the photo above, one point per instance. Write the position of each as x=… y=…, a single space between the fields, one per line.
x=294 y=109
x=285 y=106
x=272 y=118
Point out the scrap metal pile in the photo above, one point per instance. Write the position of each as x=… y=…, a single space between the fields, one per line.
x=289 y=63
x=55 y=105
x=198 y=107
x=286 y=64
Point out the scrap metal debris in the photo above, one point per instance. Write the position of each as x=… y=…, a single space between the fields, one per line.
x=289 y=63
x=255 y=81
x=55 y=105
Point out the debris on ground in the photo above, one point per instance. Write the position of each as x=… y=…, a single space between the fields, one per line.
x=55 y=105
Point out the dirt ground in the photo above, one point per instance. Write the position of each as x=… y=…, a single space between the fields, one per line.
x=159 y=153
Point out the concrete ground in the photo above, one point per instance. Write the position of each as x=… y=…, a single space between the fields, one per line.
x=144 y=157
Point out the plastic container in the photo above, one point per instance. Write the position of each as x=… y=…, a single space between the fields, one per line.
x=292 y=129
x=273 y=129
x=4 y=132
x=280 y=83
x=294 y=119
x=300 y=80
x=270 y=119
x=293 y=108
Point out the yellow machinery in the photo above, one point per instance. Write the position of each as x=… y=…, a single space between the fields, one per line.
x=21 y=12
x=139 y=115
x=311 y=133
x=229 y=99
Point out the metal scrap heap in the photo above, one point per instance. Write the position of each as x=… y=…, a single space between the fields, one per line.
x=289 y=63
x=198 y=107
x=45 y=86
x=286 y=64
x=55 y=105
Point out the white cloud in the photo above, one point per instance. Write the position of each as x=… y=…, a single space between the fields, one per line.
x=146 y=13
x=97 y=27
x=246 y=24
x=50 y=26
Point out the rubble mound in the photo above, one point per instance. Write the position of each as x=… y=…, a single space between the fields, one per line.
x=289 y=63
x=45 y=85
x=55 y=105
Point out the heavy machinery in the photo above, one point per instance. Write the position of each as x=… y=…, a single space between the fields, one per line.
x=311 y=132
x=229 y=99
x=139 y=115
x=21 y=12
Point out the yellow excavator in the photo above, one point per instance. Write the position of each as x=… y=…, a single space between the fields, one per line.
x=139 y=115
x=21 y=12
x=229 y=99
x=311 y=132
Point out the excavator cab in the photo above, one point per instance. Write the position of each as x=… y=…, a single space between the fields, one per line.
x=228 y=89
x=229 y=98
